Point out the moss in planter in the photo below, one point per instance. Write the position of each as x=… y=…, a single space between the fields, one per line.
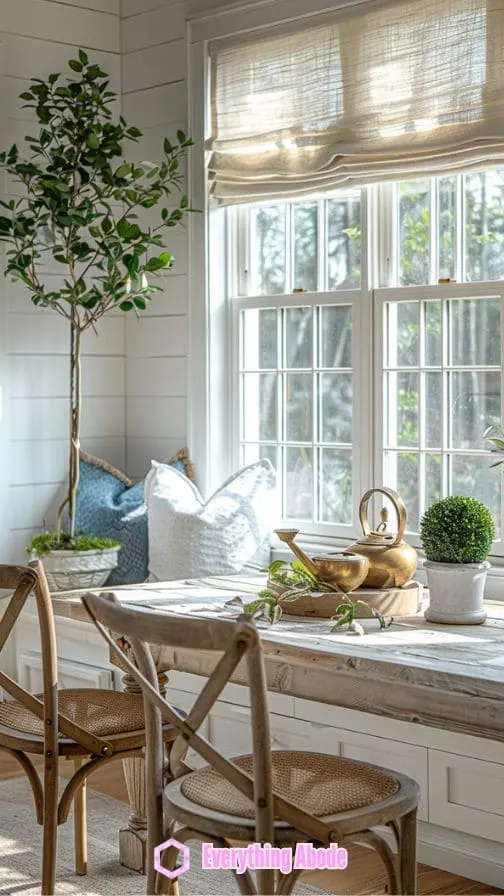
x=457 y=529
x=49 y=541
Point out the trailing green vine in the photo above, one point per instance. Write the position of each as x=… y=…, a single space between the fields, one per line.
x=287 y=583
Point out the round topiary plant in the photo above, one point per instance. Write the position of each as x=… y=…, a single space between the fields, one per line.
x=457 y=530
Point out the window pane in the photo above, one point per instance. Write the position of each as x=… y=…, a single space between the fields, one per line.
x=268 y=250
x=298 y=337
x=406 y=342
x=433 y=478
x=484 y=225
x=407 y=409
x=447 y=200
x=252 y=453
x=343 y=243
x=299 y=483
x=433 y=330
x=335 y=486
x=414 y=232
x=336 y=415
x=260 y=406
x=475 y=332
x=299 y=407
x=433 y=410
x=408 y=486
x=402 y=473
x=260 y=339
x=336 y=336
x=473 y=476
x=306 y=246
x=475 y=404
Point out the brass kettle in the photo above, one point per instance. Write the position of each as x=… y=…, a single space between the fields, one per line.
x=392 y=562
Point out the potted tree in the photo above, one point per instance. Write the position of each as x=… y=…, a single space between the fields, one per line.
x=457 y=534
x=77 y=212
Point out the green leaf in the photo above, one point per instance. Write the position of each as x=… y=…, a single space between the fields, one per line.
x=93 y=141
x=122 y=171
x=26 y=96
x=75 y=65
x=126 y=306
x=84 y=58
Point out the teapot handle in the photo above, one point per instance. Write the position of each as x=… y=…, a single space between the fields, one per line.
x=399 y=507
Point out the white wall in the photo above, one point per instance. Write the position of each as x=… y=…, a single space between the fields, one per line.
x=154 y=99
x=38 y=37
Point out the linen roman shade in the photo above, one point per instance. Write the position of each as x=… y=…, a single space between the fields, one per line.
x=372 y=92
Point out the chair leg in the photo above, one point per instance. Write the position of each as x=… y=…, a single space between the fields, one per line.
x=80 y=824
x=50 y=825
x=407 y=854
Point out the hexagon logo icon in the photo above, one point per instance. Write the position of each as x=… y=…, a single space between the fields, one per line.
x=183 y=856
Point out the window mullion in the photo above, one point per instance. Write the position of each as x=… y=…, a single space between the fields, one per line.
x=322 y=254
x=434 y=241
x=460 y=235
x=289 y=250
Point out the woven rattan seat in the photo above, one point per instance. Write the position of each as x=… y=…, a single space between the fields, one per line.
x=323 y=785
x=101 y=712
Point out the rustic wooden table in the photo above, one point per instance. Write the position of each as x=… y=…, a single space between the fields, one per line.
x=444 y=676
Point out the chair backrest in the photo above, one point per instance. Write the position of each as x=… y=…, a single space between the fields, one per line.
x=234 y=640
x=23 y=581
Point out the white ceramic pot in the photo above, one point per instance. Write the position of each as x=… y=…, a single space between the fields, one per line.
x=456 y=592
x=68 y=570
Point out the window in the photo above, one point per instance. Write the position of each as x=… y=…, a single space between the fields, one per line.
x=353 y=177
x=355 y=364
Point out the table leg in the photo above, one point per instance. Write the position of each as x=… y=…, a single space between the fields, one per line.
x=133 y=839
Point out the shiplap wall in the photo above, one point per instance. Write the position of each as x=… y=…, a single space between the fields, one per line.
x=38 y=37
x=154 y=98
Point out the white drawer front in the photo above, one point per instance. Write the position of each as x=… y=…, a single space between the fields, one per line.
x=467 y=794
x=70 y=674
x=231 y=733
x=399 y=757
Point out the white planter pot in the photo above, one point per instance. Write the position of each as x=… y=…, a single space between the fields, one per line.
x=68 y=570
x=456 y=592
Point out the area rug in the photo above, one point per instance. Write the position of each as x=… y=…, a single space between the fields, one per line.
x=21 y=844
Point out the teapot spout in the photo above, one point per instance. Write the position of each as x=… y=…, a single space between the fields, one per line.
x=288 y=536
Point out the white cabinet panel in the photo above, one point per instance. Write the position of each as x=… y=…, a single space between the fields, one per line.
x=230 y=732
x=70 y=674
x=466 y=794
x=397 y=756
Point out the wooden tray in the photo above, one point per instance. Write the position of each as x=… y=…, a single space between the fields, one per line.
x=405 y=601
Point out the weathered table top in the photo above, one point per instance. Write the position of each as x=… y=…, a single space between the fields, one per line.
x=440 y=675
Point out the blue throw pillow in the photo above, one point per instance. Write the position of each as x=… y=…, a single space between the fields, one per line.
x=109 y=505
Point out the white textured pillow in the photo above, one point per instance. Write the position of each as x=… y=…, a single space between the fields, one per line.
x=189 y=538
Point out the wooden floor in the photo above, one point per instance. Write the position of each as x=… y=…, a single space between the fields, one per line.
x=362 y=877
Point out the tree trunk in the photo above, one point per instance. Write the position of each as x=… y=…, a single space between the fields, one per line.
x=75 y=417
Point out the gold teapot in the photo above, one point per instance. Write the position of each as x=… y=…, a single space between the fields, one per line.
x=343 y=569
x=392 y=562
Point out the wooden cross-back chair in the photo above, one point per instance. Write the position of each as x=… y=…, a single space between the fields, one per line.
x=277 y=797
x=78 y=723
